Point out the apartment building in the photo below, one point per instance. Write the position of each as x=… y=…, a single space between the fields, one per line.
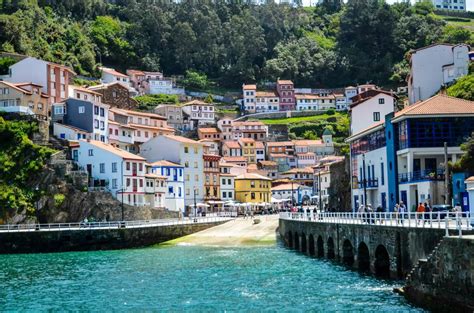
x=174 y=174
x=199 y=112
x=23 y=98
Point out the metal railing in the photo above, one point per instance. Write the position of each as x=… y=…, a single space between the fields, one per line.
x=370 y=183
x=434 y=220
x=424 y=175
x=111 y=224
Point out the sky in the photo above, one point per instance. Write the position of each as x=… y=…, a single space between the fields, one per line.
x=470 y=3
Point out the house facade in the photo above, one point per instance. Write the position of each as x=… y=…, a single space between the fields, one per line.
x=116 y=95
x=227 y=184
x=174 y=173
x=23 y=98
x=252 y=188
x=199 y=112
x=185 y=152
x=286 y=92
x=435 y=66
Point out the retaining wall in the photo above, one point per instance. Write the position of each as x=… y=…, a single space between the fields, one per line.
x=94 y=239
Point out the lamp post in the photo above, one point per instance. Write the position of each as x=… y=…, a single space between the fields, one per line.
x=195 y=206
x=364 y=180
x=319 y=192
x=37 y=208
x=292 y=197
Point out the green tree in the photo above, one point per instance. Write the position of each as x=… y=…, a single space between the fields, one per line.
x=463 y=88
x=5 y=64
x=456 y=34
x=466 y=163
x=196 y=80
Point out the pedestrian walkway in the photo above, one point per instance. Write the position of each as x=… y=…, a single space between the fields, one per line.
x=237 y=232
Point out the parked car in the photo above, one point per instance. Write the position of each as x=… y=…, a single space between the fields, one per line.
x=441 y=210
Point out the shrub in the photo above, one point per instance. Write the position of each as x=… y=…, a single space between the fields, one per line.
x=59 y=199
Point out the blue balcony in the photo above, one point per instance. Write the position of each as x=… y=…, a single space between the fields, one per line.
x=418 y=176
x=370 y=183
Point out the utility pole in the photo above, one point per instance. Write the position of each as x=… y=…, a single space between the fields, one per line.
x=364 y=180
x=319 y=192
x=446 y=175
x=292 y=197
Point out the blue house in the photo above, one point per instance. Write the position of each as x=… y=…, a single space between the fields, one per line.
x=174 y=198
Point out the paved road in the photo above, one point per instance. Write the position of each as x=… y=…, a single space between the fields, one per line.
x=238 y=232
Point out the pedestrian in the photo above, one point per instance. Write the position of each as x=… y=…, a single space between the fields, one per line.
x=402 y=210
x=420 y=210
x=427 y=212
x=396 y=210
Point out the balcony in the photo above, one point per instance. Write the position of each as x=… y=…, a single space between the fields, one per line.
x=371 y=183
x=424 y=175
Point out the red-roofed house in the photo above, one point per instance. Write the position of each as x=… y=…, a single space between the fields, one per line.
x=109 y=75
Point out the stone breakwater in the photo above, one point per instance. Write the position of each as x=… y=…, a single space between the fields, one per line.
x=88 y=239
x=444 y=281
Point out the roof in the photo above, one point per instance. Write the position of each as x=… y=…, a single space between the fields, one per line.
x=182 y=139
x=196 y=102
x=371 y=128
x=327 y=132
x=266 y=94
x=470 y=179
x=77 y=129
x=135 y=72
x=234 y=159
x=279 y=143
x=284 y=82
x=212 y=156
x=249 y=140
x=18 y=87
x=105 y=86
x=307 y=170
x=369 y=94
x=149 y=175
x=80 y=88
x=208 y=130
x=435 y=106
x=165 y=163
x=259 y=145
x=111 y=71
x=249 y=87
x=131 y=112
x=307 y=142
x=252 y=176
x=434 y=45
x=118 y=152
x=287 y=186
x=279 y=155
x=306 y=96
x=268 y=163
x=248 y=123
x=231 y=144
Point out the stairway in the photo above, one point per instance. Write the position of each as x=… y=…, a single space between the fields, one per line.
x=421 y=262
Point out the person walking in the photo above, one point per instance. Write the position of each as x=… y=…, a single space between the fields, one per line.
x=427 y=213
x=402 y=210
x=396 y=210
x=420 y=212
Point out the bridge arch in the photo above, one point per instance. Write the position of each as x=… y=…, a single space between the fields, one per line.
x=290 y=240
x=303 y=243
x=311 y=245
x=363 y=257
x=347 y=253
x=320 y=247
x=296 y=245
x=331 y=253
x=382 y=262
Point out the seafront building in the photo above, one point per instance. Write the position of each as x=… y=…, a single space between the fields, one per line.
x=402 y=157
x=174 y=174
x=252 y=188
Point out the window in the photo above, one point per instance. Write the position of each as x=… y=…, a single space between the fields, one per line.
x=381 y=101
x=376 y=116
x=141 y=182
x=128 y=182
x=102 y=167
x=114 y=167
x=195 y=150
x=186 y=150
x=187 y=191
x=382 y=175
x=114 y=183
x=196 y=177
x=82 y=109
x=252 y=184
x=96 y=110
x=128 y=166
x=186 y=164
x=230 y=194
x=252 y=196
x=91 y=152
x=186 y=177
x=195 y=164
x=224 y=194
x=102 y=112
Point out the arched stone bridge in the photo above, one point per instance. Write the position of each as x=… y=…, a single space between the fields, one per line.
x=386 y=251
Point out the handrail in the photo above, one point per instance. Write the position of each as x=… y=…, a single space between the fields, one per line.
x=434 y=220
x=111 y=224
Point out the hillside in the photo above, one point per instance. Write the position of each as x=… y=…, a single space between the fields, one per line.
x=332 y=45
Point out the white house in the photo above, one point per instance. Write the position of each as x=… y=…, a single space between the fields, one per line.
x=120 y=172
x=370 y=107
x=199 y=112
x=185 y=152
x=451 y=5
x=109 y=75
x=267 y=101
x=174 y=173
x=435 y=66
x=307 y=102
x=299 y=193
x=54 y=78
x=249 y=99
x=227 y=181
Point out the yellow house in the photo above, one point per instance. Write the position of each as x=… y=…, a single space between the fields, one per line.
x=247 y=146
x=24 y=97
x=253 y=188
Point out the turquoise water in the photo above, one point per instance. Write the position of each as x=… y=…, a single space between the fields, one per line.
x=186 y=278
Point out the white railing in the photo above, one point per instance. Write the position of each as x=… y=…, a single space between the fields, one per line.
x=435 y=220
x=110 y=225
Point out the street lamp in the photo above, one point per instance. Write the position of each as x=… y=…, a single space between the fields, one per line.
x=364 y=180
x=195 y=206
x=319 y=192
x=37 y=208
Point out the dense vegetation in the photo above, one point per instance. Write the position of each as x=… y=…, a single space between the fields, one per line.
x=149 y=102
x=333 y=44
x=20 y=161
x=463 y=88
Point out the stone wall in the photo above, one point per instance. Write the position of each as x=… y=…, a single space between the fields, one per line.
x=391 y=251
x=444 y=281
x=94 y=239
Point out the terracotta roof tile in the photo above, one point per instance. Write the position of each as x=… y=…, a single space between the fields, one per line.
x=109 y=148
x=252 y=176
x=249 y=87
x=231 y=144
x=165 y=163
x=182 y=139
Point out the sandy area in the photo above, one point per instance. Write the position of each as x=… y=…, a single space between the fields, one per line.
x=237 y=232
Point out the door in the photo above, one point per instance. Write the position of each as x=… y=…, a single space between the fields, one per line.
x=403 y=197
x=134 y=169
x=75 y=155
x=465 y=201
x=430 y=165
x=384 y=200
x=89 y=173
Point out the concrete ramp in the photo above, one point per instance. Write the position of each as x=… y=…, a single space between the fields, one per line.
x=238 y=232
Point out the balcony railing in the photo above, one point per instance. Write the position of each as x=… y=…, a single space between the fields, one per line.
x=424 y=175
x=371 y=183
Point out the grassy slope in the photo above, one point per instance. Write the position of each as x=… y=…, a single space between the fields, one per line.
x=296 y=120
x=459 y=21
